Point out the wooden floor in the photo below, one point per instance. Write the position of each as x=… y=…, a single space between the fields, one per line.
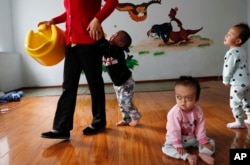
x=21 y=144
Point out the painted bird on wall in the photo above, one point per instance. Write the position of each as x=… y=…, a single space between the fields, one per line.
x=137 y=12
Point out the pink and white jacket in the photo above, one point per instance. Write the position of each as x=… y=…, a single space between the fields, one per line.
x=183 y=125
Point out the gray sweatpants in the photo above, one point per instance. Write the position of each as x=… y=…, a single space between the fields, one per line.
x=171 y=151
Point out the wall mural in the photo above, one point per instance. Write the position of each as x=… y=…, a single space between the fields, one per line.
x=166 y=33
x=162 y=37
x=136 y=12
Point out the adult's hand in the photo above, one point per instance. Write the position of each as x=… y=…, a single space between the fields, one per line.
x=95 y=30
x=47 y=23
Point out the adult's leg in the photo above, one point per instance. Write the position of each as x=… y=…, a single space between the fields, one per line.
x=91 y=61
x=63 y=120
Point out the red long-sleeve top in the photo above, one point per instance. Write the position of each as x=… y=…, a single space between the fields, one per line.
x=78 y=14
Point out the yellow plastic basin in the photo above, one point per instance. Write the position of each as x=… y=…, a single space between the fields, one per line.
x=47 y=45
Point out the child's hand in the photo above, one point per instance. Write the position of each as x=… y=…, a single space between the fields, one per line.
x=181 y=151
x=208 y=146
x=227 y=85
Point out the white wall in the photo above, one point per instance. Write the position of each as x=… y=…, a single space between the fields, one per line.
x=215 y=16
x=10 y=64
x=6 y=37
x=26 y=15
x=10 y=72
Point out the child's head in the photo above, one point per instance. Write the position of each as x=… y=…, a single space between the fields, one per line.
x=121 y=39
x=187 y=92
x=237 y=35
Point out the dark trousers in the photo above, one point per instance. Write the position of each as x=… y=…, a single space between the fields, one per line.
x=80 y=58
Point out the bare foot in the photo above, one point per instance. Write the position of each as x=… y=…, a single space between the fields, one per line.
x=207 y=158
x=121 y=123
x=192 y=159
x=134 y=122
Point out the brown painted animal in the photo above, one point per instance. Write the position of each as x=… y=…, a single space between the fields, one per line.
x=165 y=30
x=136 y=12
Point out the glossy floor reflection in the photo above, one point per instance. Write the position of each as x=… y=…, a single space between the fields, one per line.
x=21 y=126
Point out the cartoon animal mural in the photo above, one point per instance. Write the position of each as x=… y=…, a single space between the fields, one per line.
x=137 y=12
x=166 y=33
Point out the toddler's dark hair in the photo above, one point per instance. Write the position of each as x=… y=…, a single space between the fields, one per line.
x=245 y=32
x=126 y=39
x=189 y=81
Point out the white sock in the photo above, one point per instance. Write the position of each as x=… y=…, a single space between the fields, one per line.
x=235 y=125
x=247 y=121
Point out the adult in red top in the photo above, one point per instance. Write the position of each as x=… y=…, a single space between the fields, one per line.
x=83 y=20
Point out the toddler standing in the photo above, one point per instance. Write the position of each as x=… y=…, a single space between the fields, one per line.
x=236 y=75
x=123 y=82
